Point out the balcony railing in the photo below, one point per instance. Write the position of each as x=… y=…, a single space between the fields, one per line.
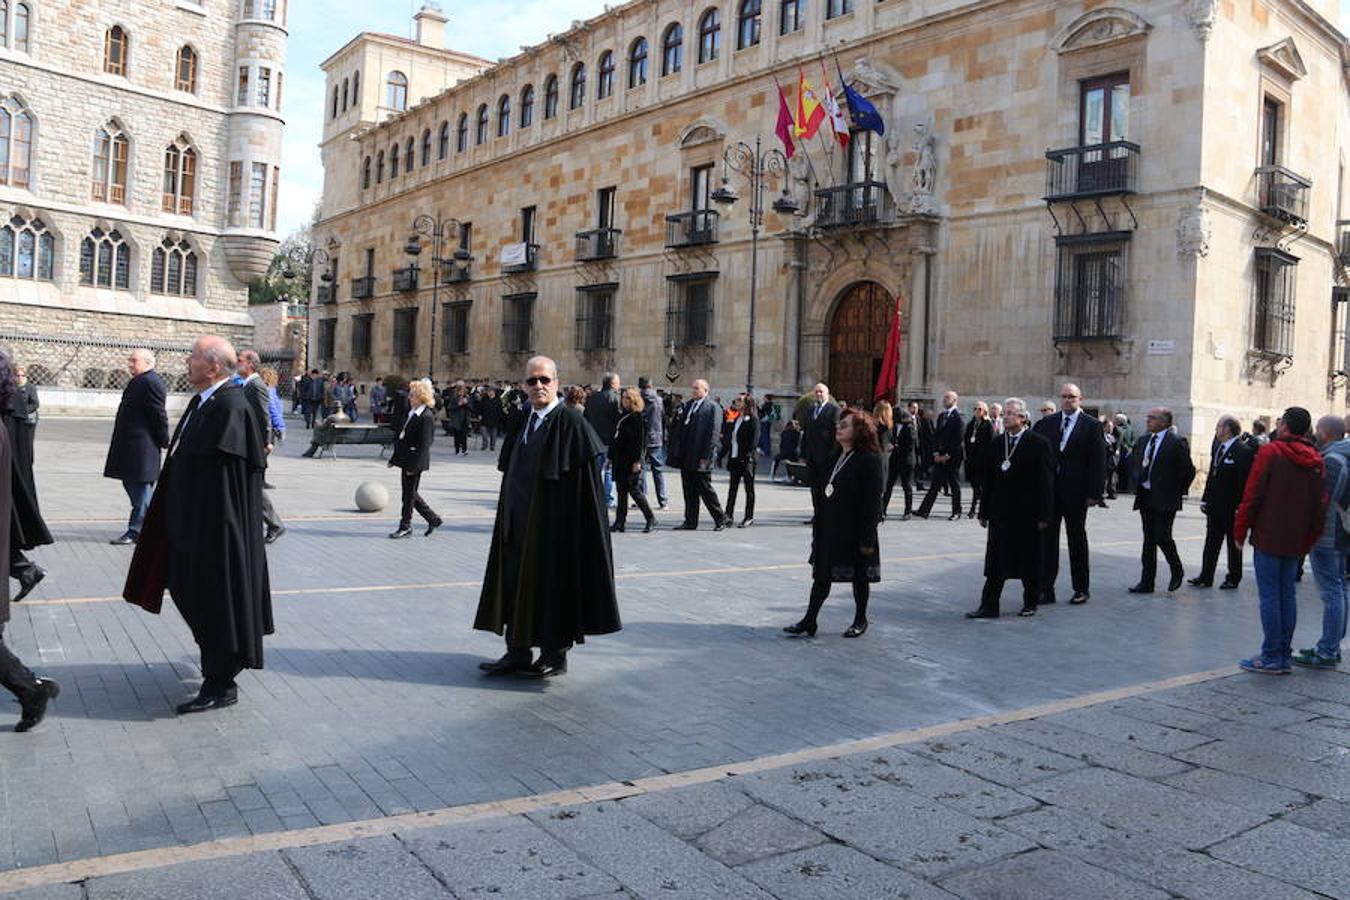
x=363 y=288
x=862 y=203
x=1096 y=170
x=405 y=280
x=455 y=274
x=1343 y=242
x=602 y=243
x=324 y=294
x=692 y=229
x=1282 y=194
x=523 y=258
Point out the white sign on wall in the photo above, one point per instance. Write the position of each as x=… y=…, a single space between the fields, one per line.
x=1162 y=348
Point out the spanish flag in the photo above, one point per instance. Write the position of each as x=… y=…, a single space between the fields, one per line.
x=810 y=112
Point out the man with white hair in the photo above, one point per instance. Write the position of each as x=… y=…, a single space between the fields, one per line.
x=140 y=433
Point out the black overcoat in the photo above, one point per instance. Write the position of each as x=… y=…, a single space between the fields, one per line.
x=565 y=587
x=1171 y=475
x=629 y=443
x=26 y=526
x=1228 y=473
x=1015 y=502
x=846 y=521
x=5 y=505
x=412 y=444
x=693 y=447
x=818 y=446
x=1080 y=468
x=978 y=439
x=140 y=431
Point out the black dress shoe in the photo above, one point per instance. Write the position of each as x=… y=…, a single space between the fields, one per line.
x=1079 y=598
x=1177 y=578
x=432 y=526
x=685 y=526
x=29 y=580
x=954 y=517
x=810 y=521
x=856 y=630
x=1199 y=582
x=1142 y=588
x=651 y=524
x=202 y=703
x=802 y=627
x=274 y=533
x=35 y=708
x=122 y=540
x=510 y=662
x=721 y=525
x=402 y=532
x=1027 y=611
x=746 y=523
x=982 y=614
x=616 y=528
x=546 y=667
x=921 y=515
x=971 y=514
x=906 y=517
x=1229 y=585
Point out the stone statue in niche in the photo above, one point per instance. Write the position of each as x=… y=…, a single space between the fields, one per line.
x=923 y=176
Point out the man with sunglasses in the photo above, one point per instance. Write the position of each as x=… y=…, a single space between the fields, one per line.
x=550 y=572
x=1078 y=452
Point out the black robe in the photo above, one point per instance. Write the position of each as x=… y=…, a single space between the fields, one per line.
x=203 y=535
x=846 y=521
x=1014 y=503
x=26 y=528
x=564 y=584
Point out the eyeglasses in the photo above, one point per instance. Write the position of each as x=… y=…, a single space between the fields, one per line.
x=1068 y=396
x=538 y=379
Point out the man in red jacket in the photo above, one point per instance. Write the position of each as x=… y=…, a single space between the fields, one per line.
x=1283 y=506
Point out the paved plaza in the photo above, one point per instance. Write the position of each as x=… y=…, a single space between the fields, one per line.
x=1097 y=751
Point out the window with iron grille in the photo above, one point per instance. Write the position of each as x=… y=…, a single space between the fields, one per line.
x=1090 y=286
x=518 y=323
x=595 y=317
x=363 y=326
x=327 y=335
x=689 y=309
x=455 y=334
x=405 y=331
x=1276 y=274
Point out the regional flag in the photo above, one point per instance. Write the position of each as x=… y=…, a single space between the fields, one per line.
x=832 y=111
x=810 y=112
x=863 y=113
x=785 y=125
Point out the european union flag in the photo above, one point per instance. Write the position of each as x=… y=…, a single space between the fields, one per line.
x=862 y=112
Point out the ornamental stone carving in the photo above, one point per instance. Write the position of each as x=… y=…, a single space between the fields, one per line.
x=1200 y=14
x=1101 y=26
x=1193 y=230
x=923 y=177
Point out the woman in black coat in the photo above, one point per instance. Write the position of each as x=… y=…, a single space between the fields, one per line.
x=978 y=439
x=412 y=455
x=625 y=459
x=457 y=420
x=742 y=441
x=844 y=537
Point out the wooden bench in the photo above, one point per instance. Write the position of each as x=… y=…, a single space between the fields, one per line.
x=328 y=436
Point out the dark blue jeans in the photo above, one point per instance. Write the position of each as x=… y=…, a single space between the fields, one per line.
x=1279 y=606
x=138 y=492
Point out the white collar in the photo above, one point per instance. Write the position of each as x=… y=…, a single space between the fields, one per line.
x=1223 y=448
x=416 y=410
x=541 y=413
x=206 y=392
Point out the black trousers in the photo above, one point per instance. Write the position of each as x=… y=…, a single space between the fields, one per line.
x=698 y=486
x=944 y=474
x=820 y=590
x=19 y=564
x=1218 y=531
x=904 y=475
x=993 y=591
x=1157 y=536
x=742 y=472
x=219 y=669
x=1074 y=520
x=629 y=484
x=413 y=500
x=14 y=675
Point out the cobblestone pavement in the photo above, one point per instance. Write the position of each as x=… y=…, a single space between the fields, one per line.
x=371 y=711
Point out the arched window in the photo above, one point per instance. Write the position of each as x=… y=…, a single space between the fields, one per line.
x=527 y=106
x=409 y=160
x=365 y=173
x=16 y=143
x=637 y=63
x=173 y=269
x=577 y=96
x=480 y=130
x=243 y=91
x=105 y=260
x=27 y=249
x=21 y=19
x=672 y=49
x=710 y=35
x=180 y=177
x=747 y=24
x=185 y=73
x=604 y=85
x=396 y=91
x=346 y=93
x=443 y=141
x=503 y=116
x=790 y=17
x=393 y=161
x=356 y=88
x=116 y=50
x=550 y=96
x=379 y=167
x=110 y=164
x=462 y=133
x=426 y=147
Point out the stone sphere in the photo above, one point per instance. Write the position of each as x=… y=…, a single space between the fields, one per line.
x=371 y=496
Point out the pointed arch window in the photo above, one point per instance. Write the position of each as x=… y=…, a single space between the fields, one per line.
x=637 y=63
x=111 y=149
x=346 y=93
x=379 y=168
x=27 y=249
x=243 y=92
x=105 y=260
x=504 y=115
x=604 y=84
x=173 y=269
x=480 y=131
x=426 y=147
x=393 y=161
x=672 y=49
x=356 y=88
x=180 y=177
x=396 y=91
x=16 y=143
x=409 y=160
x=747 y=24
x=116 y=51
x=527 y=106
x=710 y=35
x=22 y=16
x=443 y=141
x=185 y=73
x=365 y=173
x=462 y=133
x=550 y=97
x=577 y=97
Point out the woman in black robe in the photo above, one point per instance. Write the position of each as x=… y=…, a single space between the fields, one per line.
x=978 y=438
x=844 y=534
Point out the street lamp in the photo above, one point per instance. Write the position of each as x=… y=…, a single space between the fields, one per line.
x=437 y=228
x=307 y=258
x=756 y=165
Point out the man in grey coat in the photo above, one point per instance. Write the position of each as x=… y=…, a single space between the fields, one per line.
x=698 y=427
x=652 y=415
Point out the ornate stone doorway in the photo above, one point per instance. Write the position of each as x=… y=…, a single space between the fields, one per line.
x=858 y=330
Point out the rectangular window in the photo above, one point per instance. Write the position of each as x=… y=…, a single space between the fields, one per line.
x=264 y=95
x=362 y=327
x=604 y=207
x=466 y=237
x=518 y=323
x=276 y=186
x=327 y=335
x=527 y=225
x=236 y=191
x=1272 y=131
x=370 y=262
x=689 y=310
x=243 y=86
x=1104 y=110
x=1276 y=274
x=257 y=196
x=836 y=8
x=405 y=331
x=1090 y=286
x=700 y=187
x=595 y=317
x=455 y=334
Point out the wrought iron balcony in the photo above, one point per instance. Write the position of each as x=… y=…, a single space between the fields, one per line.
x=456 y=274
x=692 y=229
x=1343 y=242
x=1096 y=170
x=1282 y=194
x=860 y=204
x=324 y=294
x=405 y=280
x=527 y=262
x=363 y=288
x=602 y=243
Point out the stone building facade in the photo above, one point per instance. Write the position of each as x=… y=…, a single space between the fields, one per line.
x=1144 y=198
x=140 y=149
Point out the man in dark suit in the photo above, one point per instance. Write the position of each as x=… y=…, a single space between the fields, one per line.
x=947 y=456
x=312 y=395
x=1162 y=476
x=1230 y=462
x=692 y=450
x=140 y=432
x=923 y=444
x=817 y=446
x=1079 y=454
x=255 y=389
x=602 y=412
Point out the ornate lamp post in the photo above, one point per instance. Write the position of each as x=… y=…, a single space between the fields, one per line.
x=309 y=259
x=437 y=229
x=757 y=166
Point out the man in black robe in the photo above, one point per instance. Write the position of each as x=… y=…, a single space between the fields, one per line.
x=550 y=572
x=1016 y=505
x=203 y=535
x=26 y=526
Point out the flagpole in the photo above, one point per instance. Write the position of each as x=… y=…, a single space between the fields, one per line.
x=810 y=166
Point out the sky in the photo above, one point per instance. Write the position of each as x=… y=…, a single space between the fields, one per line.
x=320 y=27
x=487 y=28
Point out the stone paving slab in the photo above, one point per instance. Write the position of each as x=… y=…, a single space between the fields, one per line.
x=375 y=867
x=1293 y=854
x=1047 y=875
x=836 y=872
